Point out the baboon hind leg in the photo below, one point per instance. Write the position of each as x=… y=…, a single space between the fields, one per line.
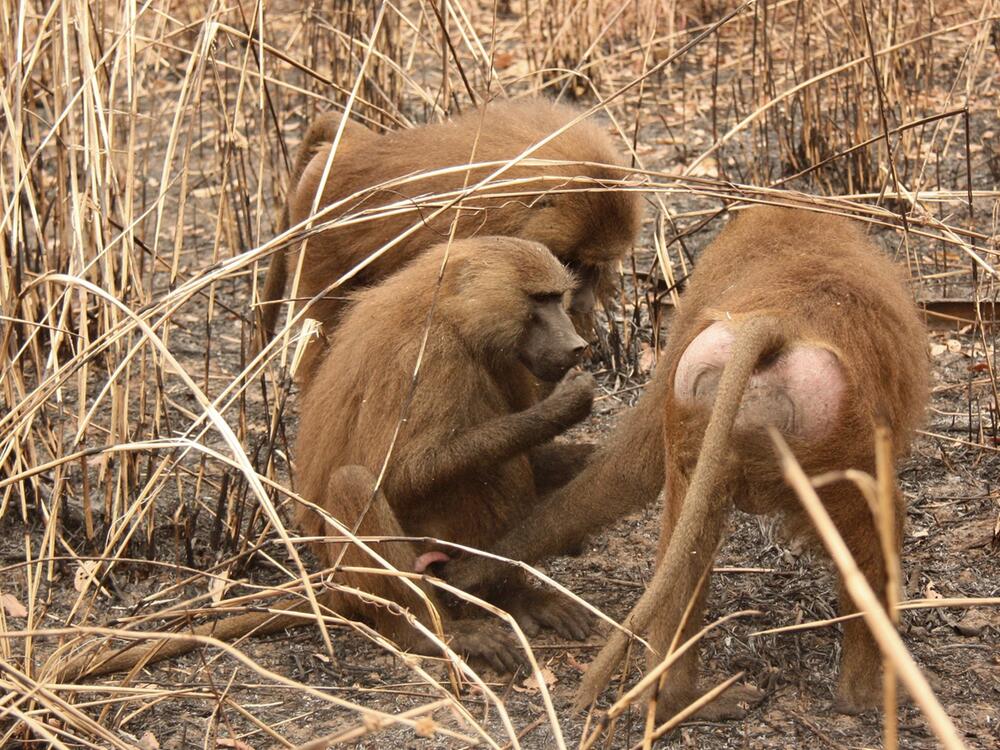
x=859 y=687
x=351 y=490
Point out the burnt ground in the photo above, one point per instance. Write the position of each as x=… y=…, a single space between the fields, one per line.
x=951 y=549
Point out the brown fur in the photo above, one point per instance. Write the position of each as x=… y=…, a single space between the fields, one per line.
x=462 y=467
x=323 y=130
x=473 y=453
x=588 y=231
x=817 y=279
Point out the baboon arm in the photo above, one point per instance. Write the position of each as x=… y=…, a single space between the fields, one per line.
x=447 y=458
x=555 y=464
x=624 y=474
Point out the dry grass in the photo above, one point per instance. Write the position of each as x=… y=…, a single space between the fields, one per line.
x=145 y=147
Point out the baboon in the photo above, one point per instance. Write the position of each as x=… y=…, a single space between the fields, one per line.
x=473 y=447
x=801 y=324
x=588 y=228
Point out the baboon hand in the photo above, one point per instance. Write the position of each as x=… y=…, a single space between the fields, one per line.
x=536 y=608
x=571 y=400
x=487 y=642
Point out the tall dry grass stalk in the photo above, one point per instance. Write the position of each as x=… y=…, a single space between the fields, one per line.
x=144 y=152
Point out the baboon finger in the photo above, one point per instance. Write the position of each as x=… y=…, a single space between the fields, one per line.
x=488 y=642
x=567 y=618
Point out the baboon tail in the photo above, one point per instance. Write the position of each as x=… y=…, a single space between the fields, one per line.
x=703 y=515
x=227 y=629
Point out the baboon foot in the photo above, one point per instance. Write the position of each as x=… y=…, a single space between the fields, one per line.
x=535 y=609
x=856 y=698
x=732 y=704
x=859 y=687
x=487 y=642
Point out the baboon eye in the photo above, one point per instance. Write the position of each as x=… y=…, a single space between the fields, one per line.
x=547 y=297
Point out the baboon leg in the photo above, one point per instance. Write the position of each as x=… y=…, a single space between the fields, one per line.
x=351 y=489
x=556 y=464
x=859 y=687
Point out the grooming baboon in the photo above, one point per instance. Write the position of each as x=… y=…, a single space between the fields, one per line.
x=473 y=447
x=828 y=335
x=586 y=227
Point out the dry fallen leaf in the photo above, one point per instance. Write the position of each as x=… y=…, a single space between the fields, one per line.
x=218 y=586
x=974 y=623
x=12 y=606
x=503 y=60
x=576 y=663
x=148 y=741
x=707 y=167
x=85 y=574
x=530 y=684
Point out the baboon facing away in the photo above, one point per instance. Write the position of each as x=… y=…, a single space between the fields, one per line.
x=586 y=227
x=799 y=322
x=474 y=447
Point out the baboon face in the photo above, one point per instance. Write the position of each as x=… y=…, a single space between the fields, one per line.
x=506 y=297
x=583 y=300
x=550 y=345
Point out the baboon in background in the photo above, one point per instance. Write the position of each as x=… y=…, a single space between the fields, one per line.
x=588 y=228
x=825 y=330
x=474 y=447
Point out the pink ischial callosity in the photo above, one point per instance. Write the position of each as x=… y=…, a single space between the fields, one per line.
x=799 y=391
x=424 y=561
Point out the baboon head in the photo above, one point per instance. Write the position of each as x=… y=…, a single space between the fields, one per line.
x=508 y=300
x=589 y=229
